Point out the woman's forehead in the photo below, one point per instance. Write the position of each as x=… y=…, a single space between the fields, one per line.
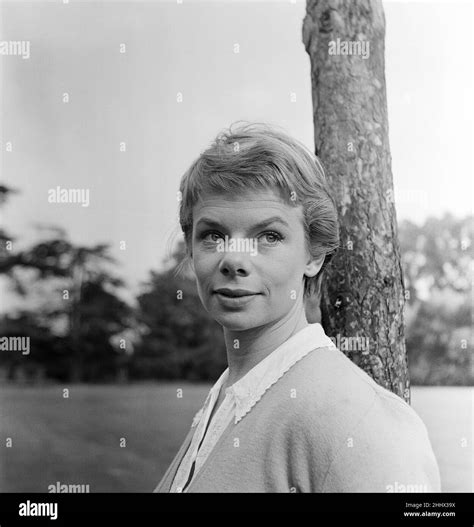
x=257 y=206
x=250 y=194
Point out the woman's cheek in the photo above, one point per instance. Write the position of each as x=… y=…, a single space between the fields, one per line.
x=281 y=268
x=203 y=268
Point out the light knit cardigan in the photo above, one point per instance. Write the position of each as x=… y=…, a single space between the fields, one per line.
x=338 y=432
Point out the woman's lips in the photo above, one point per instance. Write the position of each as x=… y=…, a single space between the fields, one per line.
x=235 y=301
x=226 y=291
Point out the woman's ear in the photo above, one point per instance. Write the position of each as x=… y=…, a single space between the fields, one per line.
x=313 y=266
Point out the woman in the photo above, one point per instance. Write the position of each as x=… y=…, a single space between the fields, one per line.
x=291 y=413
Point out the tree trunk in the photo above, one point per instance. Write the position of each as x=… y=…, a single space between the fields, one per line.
x=363 y=292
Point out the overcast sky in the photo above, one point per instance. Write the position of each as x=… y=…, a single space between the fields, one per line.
x=189 y=48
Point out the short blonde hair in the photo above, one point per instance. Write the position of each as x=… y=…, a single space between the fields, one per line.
x=258 y=156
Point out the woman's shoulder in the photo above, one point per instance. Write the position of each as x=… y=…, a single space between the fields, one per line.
x=325 y=379
x=356 y=428
x=328 y=386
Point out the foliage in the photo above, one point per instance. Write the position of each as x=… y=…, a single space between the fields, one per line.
x=436 y=259
x=77 y=313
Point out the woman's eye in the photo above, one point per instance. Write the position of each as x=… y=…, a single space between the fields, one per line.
x=272 y=237
x=211 y=237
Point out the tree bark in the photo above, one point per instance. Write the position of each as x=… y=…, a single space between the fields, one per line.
x=363 y=291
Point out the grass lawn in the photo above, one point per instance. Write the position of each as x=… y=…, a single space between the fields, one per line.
x=77 y=440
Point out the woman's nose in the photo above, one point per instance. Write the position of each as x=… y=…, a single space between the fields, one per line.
x=234 y=264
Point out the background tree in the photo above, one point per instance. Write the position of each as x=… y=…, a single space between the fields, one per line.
x=73 y=311
x=363 y=294
x=436 y=258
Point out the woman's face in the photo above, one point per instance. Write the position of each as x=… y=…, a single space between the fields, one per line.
x=250 y=258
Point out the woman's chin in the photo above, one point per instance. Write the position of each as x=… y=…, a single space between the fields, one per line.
x=236 y=321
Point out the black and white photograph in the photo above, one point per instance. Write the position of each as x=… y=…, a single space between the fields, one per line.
x=236 y=251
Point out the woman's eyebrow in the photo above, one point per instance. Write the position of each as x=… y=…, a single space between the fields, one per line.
x=269 y=221
x=260 y=225
x=208 y=222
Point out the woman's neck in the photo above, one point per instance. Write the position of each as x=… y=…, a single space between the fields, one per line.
x=245 y=349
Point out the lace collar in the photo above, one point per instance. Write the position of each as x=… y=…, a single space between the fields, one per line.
x=250 y=389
